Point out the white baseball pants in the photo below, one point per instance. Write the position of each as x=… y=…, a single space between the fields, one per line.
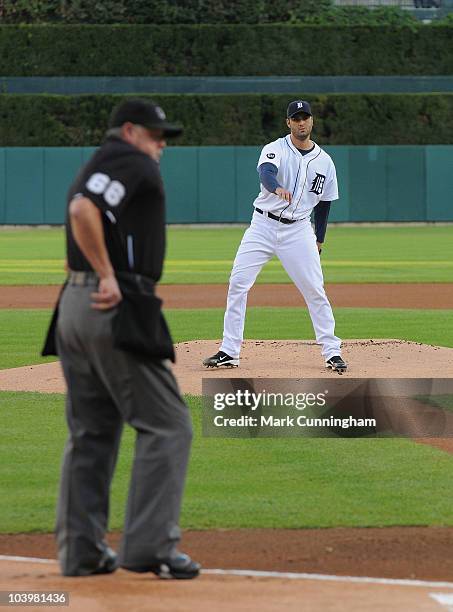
x=295 y=246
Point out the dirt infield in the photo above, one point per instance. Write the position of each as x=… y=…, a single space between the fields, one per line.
x=394 y=552
x=367 y=295
x=317 y=560
x=224 y=593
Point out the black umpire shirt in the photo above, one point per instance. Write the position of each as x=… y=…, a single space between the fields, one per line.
x=126 y=185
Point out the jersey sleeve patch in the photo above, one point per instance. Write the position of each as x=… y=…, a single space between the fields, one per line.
x=270 y=153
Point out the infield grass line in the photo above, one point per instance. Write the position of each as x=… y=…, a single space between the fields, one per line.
x=396 y=254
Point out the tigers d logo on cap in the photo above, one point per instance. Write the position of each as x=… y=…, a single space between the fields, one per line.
x=298 y=106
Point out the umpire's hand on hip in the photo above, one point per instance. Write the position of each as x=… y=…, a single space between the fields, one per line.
x=108 y=294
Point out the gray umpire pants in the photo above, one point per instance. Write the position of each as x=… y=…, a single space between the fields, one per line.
x=106 y=388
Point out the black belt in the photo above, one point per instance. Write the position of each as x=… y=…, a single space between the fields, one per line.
x=82 y=279
x=276 y=217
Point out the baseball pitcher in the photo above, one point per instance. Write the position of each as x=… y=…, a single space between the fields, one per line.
x=296 y=177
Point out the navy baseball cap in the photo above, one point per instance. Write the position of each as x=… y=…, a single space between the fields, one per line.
x=143 y=112
x=298 y=106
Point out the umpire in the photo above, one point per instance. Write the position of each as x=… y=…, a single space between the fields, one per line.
x=114 y=348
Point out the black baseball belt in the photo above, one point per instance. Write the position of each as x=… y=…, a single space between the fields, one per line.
x=277 y=218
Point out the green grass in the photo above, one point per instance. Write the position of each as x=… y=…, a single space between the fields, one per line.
x=352 y=254
x=242 y=483
x=23 y=330
x=427 y=326
x=22 y=336
x=236 y=483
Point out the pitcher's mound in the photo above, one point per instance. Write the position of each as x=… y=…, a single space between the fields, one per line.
x=302 y=359
x=270 y=359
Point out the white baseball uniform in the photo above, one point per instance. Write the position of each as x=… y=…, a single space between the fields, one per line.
x=310 y=178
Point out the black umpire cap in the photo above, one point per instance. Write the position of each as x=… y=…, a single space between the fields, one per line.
x=298 y=106
x=145 y=113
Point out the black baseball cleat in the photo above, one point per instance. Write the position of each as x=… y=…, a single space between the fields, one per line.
x=107 y=564
x=178 y=567
x=336 y=364
x=221 y=359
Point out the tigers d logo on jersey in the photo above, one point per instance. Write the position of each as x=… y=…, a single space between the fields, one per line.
x=318 y=184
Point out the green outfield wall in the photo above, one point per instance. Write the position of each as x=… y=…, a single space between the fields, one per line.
x=218 y=184
x=110 y=85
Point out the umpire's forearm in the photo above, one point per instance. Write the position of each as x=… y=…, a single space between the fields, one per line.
x=88 y=232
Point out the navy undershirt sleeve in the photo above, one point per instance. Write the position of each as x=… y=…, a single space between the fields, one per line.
x=321 y=215
x=268 y=176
